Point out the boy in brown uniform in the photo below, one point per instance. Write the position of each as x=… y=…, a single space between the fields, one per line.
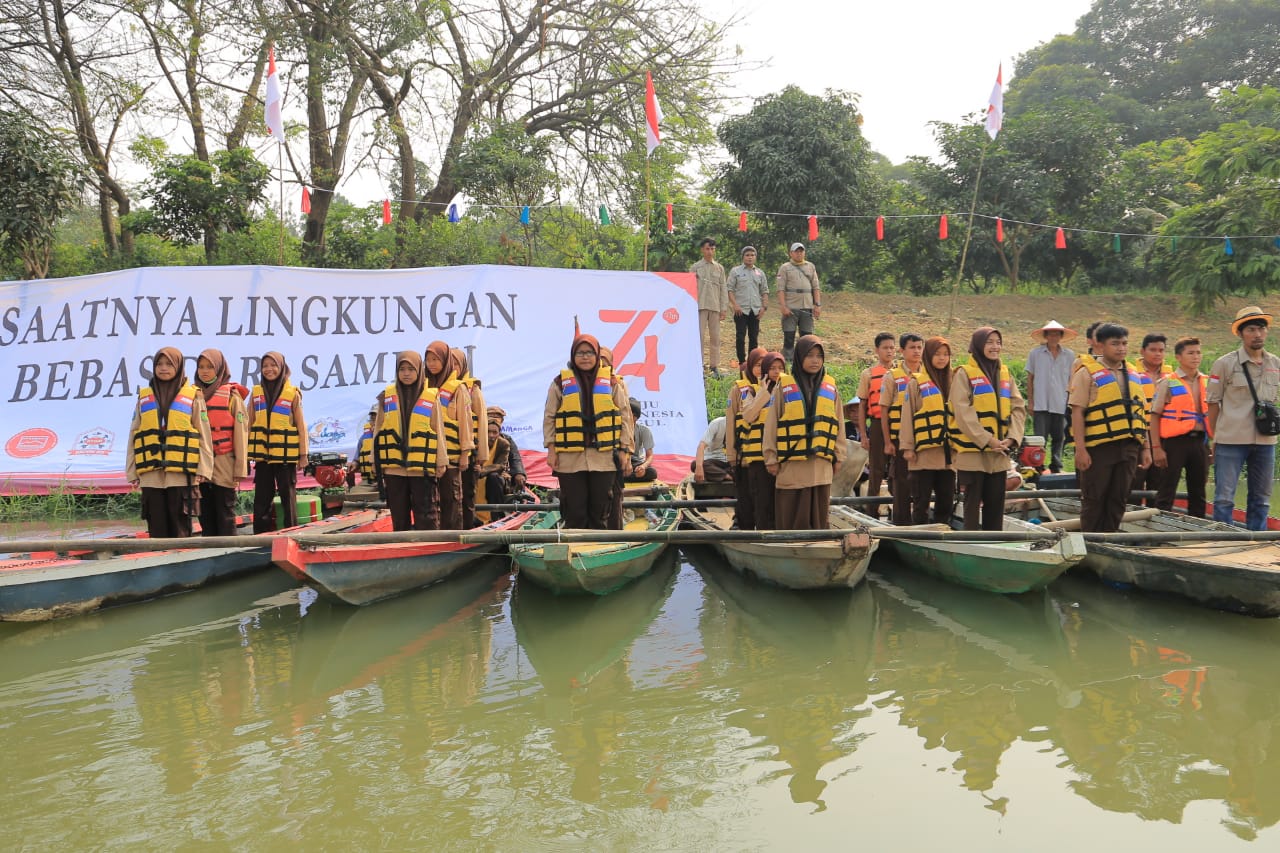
x=867 y=413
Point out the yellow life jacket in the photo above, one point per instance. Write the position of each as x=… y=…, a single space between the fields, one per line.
x=794 y=439
x=993 y=406
x=364 y=453
x=748 y=437
x=1180 y=416
x=452 y=434
x=571 y=433
x=1148 y=384
x=901 y=378
x=480 y=440
x=1110 y=417
x=416 y=453
x=273 y=438
x=176 y=445
x=929 y=423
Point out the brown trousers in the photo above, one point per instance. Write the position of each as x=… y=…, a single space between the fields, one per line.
x=584 y=498
x=217 y=510
x=268 y=481
x=744 y=512
x=877 y=463
x=450 y=486
x=803 y=509
x=900 y=487
x=413 y=502
x=469 y=477
x=167 y=512
x=938 y=484
x=763 y=489
x=1106 y=488
x=983 y=499
x=1149 y=480
x=1186 y=453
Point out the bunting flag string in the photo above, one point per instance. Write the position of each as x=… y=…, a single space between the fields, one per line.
x=525 y=213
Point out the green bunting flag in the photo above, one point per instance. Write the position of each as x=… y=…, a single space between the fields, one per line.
x=604 y=214
x=1115 y=244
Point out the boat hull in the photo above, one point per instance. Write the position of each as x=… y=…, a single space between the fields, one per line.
x=1237 y=577
x=363 y=574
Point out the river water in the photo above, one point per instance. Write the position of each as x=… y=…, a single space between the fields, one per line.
x=693 y=710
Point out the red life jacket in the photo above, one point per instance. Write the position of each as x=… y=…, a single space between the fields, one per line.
x=221 y=423
x=873 y=390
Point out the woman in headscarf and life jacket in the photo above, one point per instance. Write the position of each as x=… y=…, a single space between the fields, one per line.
x=277 y=444
x=924 y=437
x=804 y=442
x=170 y=448
x=409 y=453
x=587 y=436
x=760 y=481
x=740 y=439
x=454 y=400
x=987 y=417
x=479 y=434
x=229 y=425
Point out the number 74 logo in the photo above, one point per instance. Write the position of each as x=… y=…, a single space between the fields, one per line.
x=649 y=369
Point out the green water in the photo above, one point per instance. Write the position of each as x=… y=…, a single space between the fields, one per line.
x=691 y=711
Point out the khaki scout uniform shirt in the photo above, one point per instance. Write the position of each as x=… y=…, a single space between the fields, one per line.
x=797 y=283
x=1228 y=388
x=713 y=286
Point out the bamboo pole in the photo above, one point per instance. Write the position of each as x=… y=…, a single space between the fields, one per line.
x=964 y=253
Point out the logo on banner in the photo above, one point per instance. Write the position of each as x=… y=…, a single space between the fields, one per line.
x=327 y=432
x=95 y=442
x=650 y=368
x=31 y=443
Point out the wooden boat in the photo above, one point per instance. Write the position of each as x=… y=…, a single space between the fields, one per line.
x=1006 y=567
x=596 y=568
x=361 y=574
x=829 y=564
x=1239 y=577
x=38 y=587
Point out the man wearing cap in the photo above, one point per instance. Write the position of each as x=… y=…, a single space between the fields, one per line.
x=799 y=298
x=713 y=302
x=1048 y=374
x=1236 y=440
x=642 y=469
x=748 y=289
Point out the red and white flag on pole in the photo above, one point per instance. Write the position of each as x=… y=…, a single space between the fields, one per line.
x=275 y=124
x=995 y=106
x=652 y=114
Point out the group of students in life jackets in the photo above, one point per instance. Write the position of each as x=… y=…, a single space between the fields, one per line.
x=190 y=444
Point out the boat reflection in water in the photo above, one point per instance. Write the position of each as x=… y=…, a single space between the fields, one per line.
x=578 y=647
x=799 y=663
x=1178 y=704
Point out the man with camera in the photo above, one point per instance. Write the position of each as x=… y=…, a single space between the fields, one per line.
x=1243 y=419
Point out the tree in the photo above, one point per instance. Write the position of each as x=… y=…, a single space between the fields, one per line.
x=39 y=184
x=195 y=200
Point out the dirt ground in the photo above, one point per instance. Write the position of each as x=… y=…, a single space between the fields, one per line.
x=851 y=320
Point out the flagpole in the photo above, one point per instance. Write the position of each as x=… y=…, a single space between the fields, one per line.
x=648 y=213
x=964 y=252
x=280 y=181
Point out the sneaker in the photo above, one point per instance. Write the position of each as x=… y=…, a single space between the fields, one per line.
x=715 y=372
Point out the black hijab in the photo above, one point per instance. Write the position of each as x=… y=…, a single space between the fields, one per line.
x=808 y=382
x=988 y=366
x=166 y=391
x=273 y=388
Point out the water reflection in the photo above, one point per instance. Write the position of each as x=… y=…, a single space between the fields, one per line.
x=799 y=663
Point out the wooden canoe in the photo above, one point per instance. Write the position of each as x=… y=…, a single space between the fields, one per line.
x=595 y=568
x=362 y=574
x=41 y=587
x=801 y=565
x=1005 y=567
x=1238 y=577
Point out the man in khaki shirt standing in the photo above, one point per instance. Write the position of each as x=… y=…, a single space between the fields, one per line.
x=713 y=303
x=799 y=298
x=1236 y=440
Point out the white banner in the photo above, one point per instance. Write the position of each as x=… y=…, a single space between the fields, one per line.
x=74 y=352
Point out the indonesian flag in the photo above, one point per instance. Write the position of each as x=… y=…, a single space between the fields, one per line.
x=995 y=106
x=652 y=115
x=275 y=124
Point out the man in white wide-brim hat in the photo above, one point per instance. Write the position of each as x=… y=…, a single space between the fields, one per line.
x=1048 y=372
x=1233 y=424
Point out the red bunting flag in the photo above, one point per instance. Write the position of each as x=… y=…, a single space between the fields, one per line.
x=942 y=227
x=652 y=116
x=670 y=224
x=999 y=230
x=813 y=228
x=386 y=211
x=879 y=227
x=306 y=200
x=742 y=221
x=1060 y=241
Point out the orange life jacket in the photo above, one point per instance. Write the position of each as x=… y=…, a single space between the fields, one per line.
x=1180 y=416
x=873 y=390
x=222 y=424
